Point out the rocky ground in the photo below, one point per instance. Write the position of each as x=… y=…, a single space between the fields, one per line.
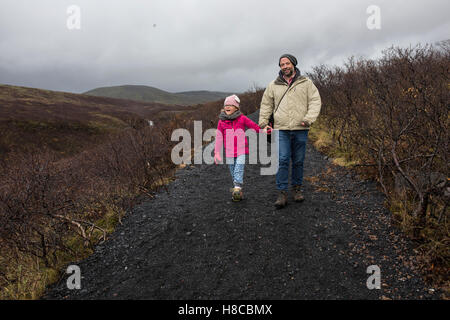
x=193 y=242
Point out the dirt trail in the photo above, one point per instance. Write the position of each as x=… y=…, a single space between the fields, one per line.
x=195 y=243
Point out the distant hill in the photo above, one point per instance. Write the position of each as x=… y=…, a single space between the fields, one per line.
x=66 y=122
x=151 y=94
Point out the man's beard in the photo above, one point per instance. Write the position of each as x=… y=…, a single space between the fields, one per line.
x=289 y=73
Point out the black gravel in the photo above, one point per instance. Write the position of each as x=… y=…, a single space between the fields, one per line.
x=195 y=243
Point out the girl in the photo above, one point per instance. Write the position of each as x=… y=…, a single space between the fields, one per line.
x=231 y=134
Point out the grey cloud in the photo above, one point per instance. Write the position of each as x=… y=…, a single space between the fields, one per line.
x=197 y=44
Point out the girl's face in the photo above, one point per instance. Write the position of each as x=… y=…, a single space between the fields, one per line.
x=229 y=109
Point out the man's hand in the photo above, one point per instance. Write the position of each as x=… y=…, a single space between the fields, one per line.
x=267 y=129
x=305 y=124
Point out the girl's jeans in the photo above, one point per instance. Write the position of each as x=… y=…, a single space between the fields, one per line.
x=236 y=166
x=292 y=145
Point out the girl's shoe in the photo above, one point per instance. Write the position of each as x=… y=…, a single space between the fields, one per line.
x=237 y=194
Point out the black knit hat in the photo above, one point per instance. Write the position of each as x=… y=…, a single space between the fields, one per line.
x=290 y=57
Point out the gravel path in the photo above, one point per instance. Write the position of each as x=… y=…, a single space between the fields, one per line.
x=195 y=243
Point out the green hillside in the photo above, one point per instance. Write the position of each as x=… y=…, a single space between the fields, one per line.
x=65 y=122
x=151 y=94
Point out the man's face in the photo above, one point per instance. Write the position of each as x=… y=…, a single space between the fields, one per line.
x=287 y=67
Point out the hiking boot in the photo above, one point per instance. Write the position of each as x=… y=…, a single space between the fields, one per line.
x=298 y=196
x=281 y=200
x=237 y=194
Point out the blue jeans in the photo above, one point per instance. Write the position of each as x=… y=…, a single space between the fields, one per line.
x=236 y=166
x=292 y=145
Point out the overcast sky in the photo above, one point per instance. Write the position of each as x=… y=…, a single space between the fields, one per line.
x=179 y=45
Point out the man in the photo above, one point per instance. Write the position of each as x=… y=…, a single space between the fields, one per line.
x=295 y=102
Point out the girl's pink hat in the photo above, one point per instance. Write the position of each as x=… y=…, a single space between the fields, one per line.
x=232 y=101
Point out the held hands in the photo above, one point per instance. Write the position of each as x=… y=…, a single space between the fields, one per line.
x=268 y=129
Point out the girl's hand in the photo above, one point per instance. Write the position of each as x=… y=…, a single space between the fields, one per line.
x=217 y=158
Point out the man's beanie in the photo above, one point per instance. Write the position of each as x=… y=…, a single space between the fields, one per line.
x=290 y=57
x=232 y=101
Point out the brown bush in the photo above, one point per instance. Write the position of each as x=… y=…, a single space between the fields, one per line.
x=392 y=117
x=46 y=200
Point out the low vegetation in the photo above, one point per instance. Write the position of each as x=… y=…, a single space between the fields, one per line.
x=389 y=119
x=55 y=208
x=64 y=122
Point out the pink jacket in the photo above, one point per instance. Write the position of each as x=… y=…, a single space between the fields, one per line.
x=227 y=129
